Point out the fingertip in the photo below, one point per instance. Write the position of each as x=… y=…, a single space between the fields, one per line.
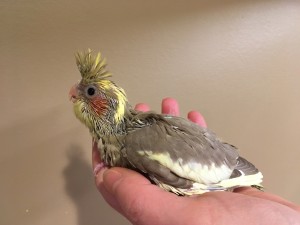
x=111 y=177
x=170 y=106
x=142 y=107
x=197 y=118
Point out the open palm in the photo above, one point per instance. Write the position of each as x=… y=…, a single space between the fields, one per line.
x=143 y=203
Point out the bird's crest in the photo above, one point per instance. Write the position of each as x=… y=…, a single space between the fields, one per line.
x=91 y=67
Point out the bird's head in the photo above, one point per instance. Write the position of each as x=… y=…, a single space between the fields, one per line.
x=98 y=102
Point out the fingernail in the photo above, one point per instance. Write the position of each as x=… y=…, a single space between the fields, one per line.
x=98 y=168
x=110 y=179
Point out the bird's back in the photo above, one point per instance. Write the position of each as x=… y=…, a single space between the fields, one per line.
x=177 y=153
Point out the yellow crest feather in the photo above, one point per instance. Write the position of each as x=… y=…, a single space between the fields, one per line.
x=91 y=67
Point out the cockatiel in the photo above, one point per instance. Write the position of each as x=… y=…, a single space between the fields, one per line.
x=173 y=152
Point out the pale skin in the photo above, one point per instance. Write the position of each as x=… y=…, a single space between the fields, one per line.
x=143 y=203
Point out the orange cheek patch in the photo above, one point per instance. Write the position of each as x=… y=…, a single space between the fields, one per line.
x=99 y=105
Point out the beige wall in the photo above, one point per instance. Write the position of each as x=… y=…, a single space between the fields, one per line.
x=235 y=61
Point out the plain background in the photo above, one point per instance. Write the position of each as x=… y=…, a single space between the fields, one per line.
x=238 y=62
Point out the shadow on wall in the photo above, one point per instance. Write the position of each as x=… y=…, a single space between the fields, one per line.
x=91 y=208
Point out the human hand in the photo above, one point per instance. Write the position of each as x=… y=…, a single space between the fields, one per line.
x=143 y=203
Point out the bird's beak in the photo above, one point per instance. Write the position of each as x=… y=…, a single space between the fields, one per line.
x=73 y=94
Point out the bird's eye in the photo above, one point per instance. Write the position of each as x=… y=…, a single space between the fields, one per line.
x=91 y=91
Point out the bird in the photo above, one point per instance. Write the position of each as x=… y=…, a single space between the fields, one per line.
x=172 y=152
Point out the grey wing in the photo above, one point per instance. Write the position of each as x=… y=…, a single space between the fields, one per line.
x=180 y=153
x=243 y=167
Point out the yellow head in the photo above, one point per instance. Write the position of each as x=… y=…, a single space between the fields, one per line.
x=98 y=102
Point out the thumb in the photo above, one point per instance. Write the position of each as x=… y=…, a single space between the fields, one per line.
x=140 y=201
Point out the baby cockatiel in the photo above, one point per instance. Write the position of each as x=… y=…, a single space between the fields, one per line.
x=173 y=152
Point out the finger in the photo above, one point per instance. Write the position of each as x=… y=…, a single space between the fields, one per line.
x=99 y=169
x=197 y=118
x=142 y=107
x=140 y=201
x=108 y=197
x=265 y=195
x=170 y=106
